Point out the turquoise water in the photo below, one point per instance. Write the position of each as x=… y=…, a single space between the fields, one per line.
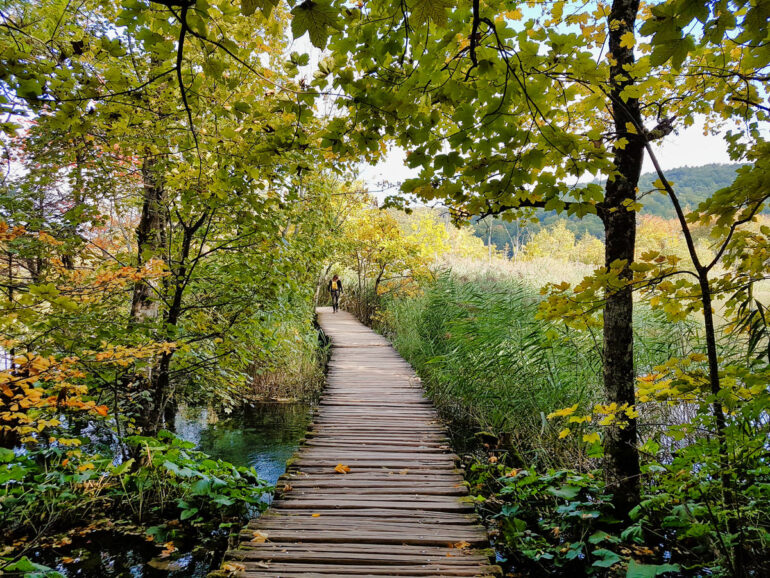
x=263 y=436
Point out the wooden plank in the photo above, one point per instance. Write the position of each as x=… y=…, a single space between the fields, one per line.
x=399 y=511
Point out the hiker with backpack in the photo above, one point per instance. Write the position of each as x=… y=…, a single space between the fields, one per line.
x=335 y=288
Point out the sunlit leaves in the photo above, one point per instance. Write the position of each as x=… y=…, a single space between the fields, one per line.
x=424 y=11
x=315 y=18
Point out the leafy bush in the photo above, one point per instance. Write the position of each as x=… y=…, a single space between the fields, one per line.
x=45 y=488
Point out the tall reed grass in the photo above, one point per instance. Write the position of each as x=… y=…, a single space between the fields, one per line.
x=489 y=362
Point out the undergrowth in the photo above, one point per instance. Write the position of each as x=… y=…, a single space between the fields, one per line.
x=487 y=360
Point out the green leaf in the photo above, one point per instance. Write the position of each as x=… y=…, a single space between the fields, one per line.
x=424 y=11
x=248 y=7
x=566 y=492
x=606 y=559
x=6 y=455
x=598 y=536
x=30 y=88
x=636 y=570
x=121 y=469
x=315 y=18
x=186 y=514
x=24 y=564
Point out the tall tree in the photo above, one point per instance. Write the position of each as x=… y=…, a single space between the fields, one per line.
x=511 y=118
x=198 y=110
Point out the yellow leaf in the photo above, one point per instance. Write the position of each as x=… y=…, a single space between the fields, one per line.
x=580 y=419
x=627 y=40
x=342 y=469
x=630 y=128
x=564 y=433
x=563 y=412
x=259 y=537
x=591 y=438
x=316 y=515
x=608 y=419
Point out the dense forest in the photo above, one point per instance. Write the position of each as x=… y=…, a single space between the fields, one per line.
x=178 y=187
x=693 y=185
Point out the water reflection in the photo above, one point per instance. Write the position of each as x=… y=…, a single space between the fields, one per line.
x=263 y=436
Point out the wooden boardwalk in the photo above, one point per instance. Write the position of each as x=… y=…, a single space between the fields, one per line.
x=401 y=508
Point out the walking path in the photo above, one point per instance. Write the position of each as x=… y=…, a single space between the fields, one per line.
x=374 y=490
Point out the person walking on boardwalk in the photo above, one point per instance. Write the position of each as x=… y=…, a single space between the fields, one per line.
x=335 y=288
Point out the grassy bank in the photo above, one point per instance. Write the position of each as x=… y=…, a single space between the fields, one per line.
x=489 y=362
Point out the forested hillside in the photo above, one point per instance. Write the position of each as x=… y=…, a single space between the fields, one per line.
x=692 y=184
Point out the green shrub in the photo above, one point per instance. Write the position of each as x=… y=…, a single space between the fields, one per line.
x=57 y=486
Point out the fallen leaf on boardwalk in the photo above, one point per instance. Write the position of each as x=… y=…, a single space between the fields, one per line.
x=233 y=567
x=460 y=545
x=404 y=472
x=287 y=488
x=316 y=515
x=342 y=469
x=259 y=537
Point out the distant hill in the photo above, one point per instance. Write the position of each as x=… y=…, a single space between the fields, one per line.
x=692 y=184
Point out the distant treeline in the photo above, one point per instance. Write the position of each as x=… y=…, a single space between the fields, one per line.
x=693 y=185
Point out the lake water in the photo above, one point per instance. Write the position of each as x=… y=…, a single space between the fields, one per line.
x=264 y=436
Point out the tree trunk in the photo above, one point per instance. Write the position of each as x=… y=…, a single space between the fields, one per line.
x=621 y=454
x=151 y=241
x=161 y=386
x=150 y=238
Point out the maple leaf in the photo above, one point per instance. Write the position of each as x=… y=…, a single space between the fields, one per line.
x=248 y=7
x=431 y=11
x=627 y=40
x=342 y=469
x=259 y=537
x=315 y=18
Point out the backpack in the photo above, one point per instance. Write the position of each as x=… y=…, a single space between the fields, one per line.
x=334 y=286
